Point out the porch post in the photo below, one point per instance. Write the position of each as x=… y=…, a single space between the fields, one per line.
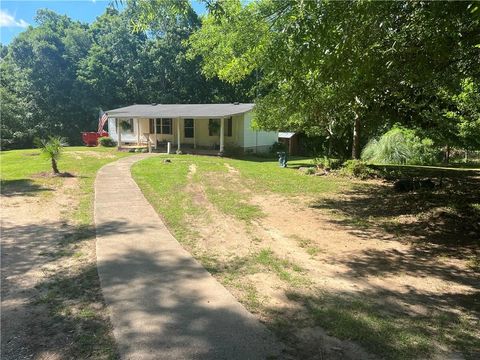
x=155 y=131
x=119 y=133
x=138 y=131
x=178 y=134
x=194 y=133
x=222 y=127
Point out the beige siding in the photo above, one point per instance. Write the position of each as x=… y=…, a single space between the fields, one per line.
x=202 y=137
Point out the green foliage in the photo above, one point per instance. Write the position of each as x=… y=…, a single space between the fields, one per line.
x=310 y=171
x=357 y=168
x=464 y=116
x=52 y=149
x=322 y=64
x=277 y=147
x=100 y=65
x=400 y=146
x=107 y=141
x=327 y=163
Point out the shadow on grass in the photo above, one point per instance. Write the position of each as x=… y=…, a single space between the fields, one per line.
x=21 y=187
x=444 y=220
x=63 y=314
x=414 y=262
x=26 y=247
x=67 y=317
x=391 y=324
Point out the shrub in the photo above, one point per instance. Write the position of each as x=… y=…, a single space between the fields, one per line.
x=310 y=171
x=52 y=149
x=107 y=141
x=400 y=146
x=327 y=163
x=277 y=146
x=232 y=150
x=357 y=168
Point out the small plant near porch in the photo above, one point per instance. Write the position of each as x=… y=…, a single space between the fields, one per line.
x=52 y=149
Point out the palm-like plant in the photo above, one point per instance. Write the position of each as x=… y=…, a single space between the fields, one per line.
x=52 y=149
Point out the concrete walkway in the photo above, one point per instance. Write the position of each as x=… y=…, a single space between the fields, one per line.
x=163 y=304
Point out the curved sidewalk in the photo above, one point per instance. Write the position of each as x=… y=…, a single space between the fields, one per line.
x=162 y=303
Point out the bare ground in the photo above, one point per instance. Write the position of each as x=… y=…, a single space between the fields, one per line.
x=51 y=302
x=321 y=256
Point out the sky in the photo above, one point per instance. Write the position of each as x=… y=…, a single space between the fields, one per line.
x=16 y=16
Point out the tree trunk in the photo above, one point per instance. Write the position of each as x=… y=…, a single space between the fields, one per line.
x=54 y=167
x=447 y=154
x=356 y=138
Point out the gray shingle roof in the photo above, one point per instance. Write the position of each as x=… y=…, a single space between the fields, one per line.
x=180 y=110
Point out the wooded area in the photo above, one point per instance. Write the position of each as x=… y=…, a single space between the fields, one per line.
x=57 y=75
x=343 y=73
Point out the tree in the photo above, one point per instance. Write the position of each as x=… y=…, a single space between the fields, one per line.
x=58 y=74
x=48 y=56
x=16 y=126
x=357 y=65
x=52 y=149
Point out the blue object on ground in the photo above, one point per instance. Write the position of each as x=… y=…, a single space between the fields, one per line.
x=282 y=159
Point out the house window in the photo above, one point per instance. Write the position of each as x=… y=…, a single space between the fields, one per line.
x=188 y=128
x=164 y=126
x=151 y=127
x=167 y=126
x=213 y=127
x=227 y=131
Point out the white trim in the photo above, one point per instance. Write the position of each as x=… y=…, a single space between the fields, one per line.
x=178 y=133
x=222 y=135
x=155 y=130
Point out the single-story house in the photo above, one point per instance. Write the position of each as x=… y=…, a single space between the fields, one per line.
x=203 y=126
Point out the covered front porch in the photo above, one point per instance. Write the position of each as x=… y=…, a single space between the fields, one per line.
x=184 y=134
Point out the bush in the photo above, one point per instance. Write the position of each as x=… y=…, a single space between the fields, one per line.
x=310 y=171
x=277 y=146
x=357 y=169
x=400 y=146
x=107 y=141
x=326 y=163
x=232 y=150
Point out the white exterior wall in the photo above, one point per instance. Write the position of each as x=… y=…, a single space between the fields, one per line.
x=127 y=137
x=252 y=138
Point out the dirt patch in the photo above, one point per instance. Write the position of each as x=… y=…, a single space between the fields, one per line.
x=83 y=154
x=301 y=265
x=52 y=306
x=231 y=169
x=192 y=169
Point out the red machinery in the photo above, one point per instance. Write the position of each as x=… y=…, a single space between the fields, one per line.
x=91 y=138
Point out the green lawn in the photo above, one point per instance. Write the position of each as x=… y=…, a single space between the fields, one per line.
x=164 y=183
x=69 y=298
x=21 y=172
x=187 y=186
